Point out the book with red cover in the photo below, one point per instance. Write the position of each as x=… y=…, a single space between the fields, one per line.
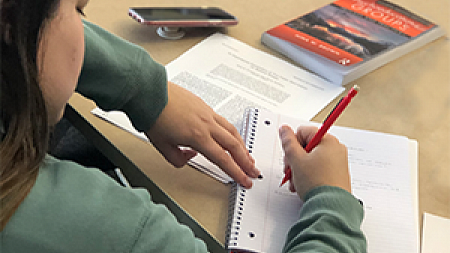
x=349 y=38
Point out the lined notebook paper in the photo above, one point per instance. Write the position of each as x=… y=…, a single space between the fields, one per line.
x=382 y=168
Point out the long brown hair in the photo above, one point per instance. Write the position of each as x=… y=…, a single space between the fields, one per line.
x=22 y=106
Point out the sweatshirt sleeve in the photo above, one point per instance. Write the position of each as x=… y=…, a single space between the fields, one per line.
x=76 y=209
x=330 y=221
x=118 y=75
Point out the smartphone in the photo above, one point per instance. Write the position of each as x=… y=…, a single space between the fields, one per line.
x=182 y=16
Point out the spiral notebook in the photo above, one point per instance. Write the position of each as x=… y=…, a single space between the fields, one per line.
x=383 y=169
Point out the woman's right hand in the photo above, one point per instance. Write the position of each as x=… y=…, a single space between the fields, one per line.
x=326 y=164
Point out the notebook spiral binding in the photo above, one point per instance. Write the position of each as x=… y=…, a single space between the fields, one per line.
x=237 y=193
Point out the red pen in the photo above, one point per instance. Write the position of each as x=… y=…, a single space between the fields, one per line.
x=334 y=114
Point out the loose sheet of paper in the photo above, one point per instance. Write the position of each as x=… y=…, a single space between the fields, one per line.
x=435 y=234
x=381 y=170
x=231 y=76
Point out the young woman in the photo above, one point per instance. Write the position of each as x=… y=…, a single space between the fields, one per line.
x=48 y=205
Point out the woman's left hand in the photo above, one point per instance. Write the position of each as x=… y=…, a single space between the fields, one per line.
x=187 y=121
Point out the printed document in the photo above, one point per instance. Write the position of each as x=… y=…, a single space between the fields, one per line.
x=231 y=76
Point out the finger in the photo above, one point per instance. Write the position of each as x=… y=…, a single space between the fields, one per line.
x=236 y=149
x=330 y=139
x=305 y=134
x=234 y=132
x=229 y=127
x=189 y=153
x=286 y=165
x=217 y=155
x=291 y=186
x=289 y=142
x=176 y=156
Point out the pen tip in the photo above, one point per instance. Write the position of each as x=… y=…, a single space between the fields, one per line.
x=356 y=87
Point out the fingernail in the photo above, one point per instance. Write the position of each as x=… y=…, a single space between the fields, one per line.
x=256 y=173
x=248 y=183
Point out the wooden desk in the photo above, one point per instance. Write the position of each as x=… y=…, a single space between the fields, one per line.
x=410 y=96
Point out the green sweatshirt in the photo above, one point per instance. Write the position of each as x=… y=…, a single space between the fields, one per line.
x=119 y=75
x=76 y=209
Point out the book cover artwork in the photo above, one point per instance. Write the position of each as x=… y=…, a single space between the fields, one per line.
x=351 y=31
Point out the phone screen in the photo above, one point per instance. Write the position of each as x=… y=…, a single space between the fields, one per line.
x=157 y=14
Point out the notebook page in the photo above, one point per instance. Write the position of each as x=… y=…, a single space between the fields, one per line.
x=381 y=177
x=267 y=211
